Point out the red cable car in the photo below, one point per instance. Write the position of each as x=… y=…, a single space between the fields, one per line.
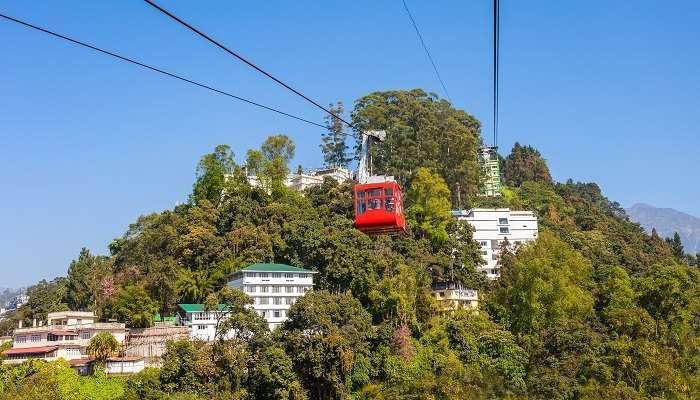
x=379 y=208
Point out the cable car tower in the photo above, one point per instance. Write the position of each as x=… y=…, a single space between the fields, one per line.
x=378 y=199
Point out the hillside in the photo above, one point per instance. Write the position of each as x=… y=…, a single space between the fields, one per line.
x=667 y=221
x=595 y=308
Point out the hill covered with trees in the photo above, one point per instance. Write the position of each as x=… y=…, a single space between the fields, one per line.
x=594 y=309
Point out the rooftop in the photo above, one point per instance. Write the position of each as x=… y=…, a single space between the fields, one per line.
x=197 y=307
x=265 y=267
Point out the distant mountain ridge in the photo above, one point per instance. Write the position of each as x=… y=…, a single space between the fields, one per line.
x=667 y=221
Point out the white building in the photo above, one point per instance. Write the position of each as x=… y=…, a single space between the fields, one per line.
x=304 y=179
x=65 y=334
x=492 y=226
x=202 y=323
x=273 y=288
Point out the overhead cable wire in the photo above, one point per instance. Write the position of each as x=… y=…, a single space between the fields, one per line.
x=496 y=51
x=427 y=52
x=160 y=71
x=246 y=61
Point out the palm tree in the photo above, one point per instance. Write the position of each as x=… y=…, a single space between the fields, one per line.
x=102 y=346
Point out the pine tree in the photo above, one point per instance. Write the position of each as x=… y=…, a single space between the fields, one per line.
x=334 y=148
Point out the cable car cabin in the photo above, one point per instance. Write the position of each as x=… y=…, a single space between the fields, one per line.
x=379 y=208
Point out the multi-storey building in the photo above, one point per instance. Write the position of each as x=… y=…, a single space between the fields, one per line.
x=65 y=334
x=273 y=288
x=490 y=170
x=493 y=227
x=451 y=296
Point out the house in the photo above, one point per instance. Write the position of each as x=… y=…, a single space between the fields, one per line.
x=65 y=334
x=112 y=366
x=301 y=180
x=451 y=296
x=495 y=226
x=201 y=323
x=273 y=288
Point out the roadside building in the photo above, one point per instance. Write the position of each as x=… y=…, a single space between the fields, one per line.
x=273 y=288
x=65 y=334
x=493 y=228
x=452 y=296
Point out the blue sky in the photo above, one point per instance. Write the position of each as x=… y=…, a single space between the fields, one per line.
x=607 y=91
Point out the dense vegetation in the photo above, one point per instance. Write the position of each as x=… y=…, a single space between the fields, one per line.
x=595 y=309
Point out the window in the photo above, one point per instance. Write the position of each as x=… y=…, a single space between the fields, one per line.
x=250 y=289
x=201 y=327
x=250 y=274
x=277 y=300
x=300 y=289
x=483 y=244
x=361 y=207
x=36 y=338
x=375 y=204
x=264 y=300
x=263 y=274
x=263 y=313
x=263 y=289
x=504 y=229
x=85 y=335
x=276 y=274
x=289 y=300
x=289 y=289
x=277 y=314
x=503 y=221
x=494 y=257
x=484 y=252
x=276 y=289
x=288 y=275
x=21 y=339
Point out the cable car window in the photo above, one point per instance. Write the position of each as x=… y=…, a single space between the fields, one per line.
x=374 y=192
x=361 y=207
x=389 y=191
x=374 y=204
x=361 y=194
x=389 y=203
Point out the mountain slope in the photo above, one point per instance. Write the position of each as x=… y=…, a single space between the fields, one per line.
x=667 y=221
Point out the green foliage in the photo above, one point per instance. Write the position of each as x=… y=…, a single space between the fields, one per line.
x=270 y=163
x=333 y=146
x=525 y=163
x=422 y=131
x=85 y=278
x=429 y=211
x=212 y=171
x=102 y=346
x=135 y=307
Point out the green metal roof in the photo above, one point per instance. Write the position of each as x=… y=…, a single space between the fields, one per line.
x=264 y=267
x=197 y=307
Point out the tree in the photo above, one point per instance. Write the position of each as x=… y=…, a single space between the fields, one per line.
x=422 y=131
x=525 y=163
x=180 y=370
x=212 y=172
x=329 y=336
x=676 y=246
x=102 y=346
x=135 y=307
x=429 y=210
x=333 y=147
x=84 y=280
x=270 y=163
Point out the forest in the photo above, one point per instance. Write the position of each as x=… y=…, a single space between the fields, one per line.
x=596 y=308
